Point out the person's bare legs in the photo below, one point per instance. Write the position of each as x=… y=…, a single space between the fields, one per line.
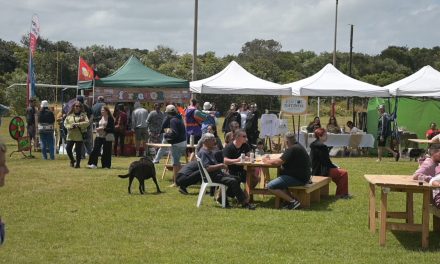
x=282 y=194
x=176 y=169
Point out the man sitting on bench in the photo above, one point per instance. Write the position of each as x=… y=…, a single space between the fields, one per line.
x=295 y=170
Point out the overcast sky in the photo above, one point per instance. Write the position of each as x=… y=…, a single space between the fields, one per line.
x=225 y=25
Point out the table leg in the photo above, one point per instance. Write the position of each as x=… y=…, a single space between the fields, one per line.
x=425 y=219
x=383 y=217
x=409 y=208
x=372 y=209
x=166 y=163
x=248 y=185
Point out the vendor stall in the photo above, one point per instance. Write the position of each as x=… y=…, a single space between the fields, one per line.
x=135 y=82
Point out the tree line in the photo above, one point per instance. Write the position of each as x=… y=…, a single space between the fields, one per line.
x=57 y=63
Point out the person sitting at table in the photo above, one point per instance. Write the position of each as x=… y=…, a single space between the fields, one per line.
x=232 y=153
x=323 y=166
x=316 y=123
x=353 y=129
x=430 y=165
x=332 y=126
x=429 y=170
x=432 y=131
x=215 y=170
x=295 y=170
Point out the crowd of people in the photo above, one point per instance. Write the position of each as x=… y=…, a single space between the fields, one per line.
x=190 y=126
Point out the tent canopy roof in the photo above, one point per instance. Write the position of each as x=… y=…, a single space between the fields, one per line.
x=234 y=79
x=329 y=81
x=424 y=82
x=135 y=74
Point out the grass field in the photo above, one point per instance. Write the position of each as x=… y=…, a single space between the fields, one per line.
x=56 y=214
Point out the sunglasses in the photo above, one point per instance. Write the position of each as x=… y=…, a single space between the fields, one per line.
x=77 y=106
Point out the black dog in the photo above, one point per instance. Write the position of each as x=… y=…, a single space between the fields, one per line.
x=142 y=169
x=413 y=153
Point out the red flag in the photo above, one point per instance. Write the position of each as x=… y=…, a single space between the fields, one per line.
x=85 y=72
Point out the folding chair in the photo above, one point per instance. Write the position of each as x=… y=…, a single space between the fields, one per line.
x=207 y=182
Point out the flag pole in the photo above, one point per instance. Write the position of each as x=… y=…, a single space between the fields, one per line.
x=93 y=80
x=77 y=76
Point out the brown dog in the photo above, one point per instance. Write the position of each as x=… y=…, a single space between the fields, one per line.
x=141 y=169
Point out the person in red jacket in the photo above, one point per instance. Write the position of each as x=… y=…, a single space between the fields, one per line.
x=432 y=131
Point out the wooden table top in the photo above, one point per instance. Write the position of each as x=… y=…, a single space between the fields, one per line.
x=165 y=145
x=259 y=163
x=396 y=181
x=420 y=140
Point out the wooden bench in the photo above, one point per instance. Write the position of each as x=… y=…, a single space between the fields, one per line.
x=435 y=217
x=311 y=192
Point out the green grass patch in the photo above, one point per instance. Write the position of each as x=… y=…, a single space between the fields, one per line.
x=57 y=214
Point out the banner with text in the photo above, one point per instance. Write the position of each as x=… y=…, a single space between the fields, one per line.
x=294 y=105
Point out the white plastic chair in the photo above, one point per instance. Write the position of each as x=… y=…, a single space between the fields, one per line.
x=207 y=182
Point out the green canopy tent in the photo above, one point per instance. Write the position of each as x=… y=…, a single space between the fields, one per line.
x=134 y=81
x=413 y=115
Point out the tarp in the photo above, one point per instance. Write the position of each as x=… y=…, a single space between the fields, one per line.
x=135 y=74
x=423 y=83
x=234 y=79
x=412 y=114
x=329 y=81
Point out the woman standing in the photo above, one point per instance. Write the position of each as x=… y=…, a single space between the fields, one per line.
x=76 y=124
x=323 y=166
x=104 y=139
x=120 y=126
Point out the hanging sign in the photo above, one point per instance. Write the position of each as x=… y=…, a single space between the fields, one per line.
x=294 y=104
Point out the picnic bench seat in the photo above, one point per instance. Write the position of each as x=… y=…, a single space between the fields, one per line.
x=435 y=217
x=308 y=193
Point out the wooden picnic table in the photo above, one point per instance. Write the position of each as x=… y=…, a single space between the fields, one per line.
x=398 y=183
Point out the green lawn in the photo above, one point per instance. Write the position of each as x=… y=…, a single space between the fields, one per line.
x=56 y=214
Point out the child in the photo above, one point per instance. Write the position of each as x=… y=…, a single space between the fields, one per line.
x=435 y=181
x=260 y=147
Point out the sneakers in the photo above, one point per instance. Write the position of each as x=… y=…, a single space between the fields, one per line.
x=183 y=191
x=155 y=161
x=92 y=166
x=345 y=196
x=292 y=205
x=173 y=185
x=248 y=206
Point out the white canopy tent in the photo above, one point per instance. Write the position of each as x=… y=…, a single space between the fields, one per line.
x=235 y=80
x=423 y=83
x=329 y=81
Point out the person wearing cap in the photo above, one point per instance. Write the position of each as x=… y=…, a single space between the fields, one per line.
x=383 y=132
x=210 y=117
x=175 y=134
x=231 y=115
x=31 y=111
x=96 y=110
x=139 y=126
x=46 y=121
x=88 y=141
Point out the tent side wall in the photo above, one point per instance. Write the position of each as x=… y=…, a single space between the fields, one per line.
x=413 y=115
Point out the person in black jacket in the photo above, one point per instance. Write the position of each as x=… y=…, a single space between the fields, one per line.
x=46 y=120
x=323 y=166
x=231 y=115
x=252 y=125
x=104 y=138
x=175 y=135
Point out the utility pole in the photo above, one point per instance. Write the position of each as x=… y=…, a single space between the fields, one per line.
x=194 y=66
x=334 y=53
x=351 y=50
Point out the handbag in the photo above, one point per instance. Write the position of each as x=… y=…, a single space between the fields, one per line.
x=83 y=134
x=110 y=137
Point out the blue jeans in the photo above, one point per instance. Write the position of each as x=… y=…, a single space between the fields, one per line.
x=47 y=142
x=284 y=182
x=177 y=151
